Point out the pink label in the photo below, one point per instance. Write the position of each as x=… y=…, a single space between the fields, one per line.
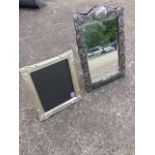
x=72 y=94
x=117 y=67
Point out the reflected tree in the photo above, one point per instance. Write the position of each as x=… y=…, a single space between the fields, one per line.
x=101 y=33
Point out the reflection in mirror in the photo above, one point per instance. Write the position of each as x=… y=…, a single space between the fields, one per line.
x=101 y=41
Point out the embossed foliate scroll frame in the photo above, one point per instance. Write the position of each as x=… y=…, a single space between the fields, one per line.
x=27 y=70
x=99 y=13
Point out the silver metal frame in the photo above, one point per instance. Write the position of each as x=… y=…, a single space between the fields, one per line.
x=25 y=72
x=99 y=13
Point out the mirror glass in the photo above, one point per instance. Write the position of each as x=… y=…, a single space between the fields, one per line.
x=101 y=42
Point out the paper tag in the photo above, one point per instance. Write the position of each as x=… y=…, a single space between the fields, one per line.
x=72 y=94
x=117 y=67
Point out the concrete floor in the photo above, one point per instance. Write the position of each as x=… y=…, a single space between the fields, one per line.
x=103 y=122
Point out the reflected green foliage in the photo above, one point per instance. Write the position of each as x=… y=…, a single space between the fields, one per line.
x=101 y=33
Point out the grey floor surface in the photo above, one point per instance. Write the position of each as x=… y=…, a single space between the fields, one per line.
x=102 y=123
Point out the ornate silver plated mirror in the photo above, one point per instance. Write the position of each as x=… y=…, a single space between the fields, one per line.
x=53 y=84
x=100 y=40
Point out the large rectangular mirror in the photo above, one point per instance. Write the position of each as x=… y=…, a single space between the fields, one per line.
x=100 y=40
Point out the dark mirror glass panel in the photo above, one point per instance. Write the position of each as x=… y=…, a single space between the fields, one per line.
x=53 y=84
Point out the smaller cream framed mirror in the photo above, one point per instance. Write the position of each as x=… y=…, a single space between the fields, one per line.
x=53 y=84
x=100 y=40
